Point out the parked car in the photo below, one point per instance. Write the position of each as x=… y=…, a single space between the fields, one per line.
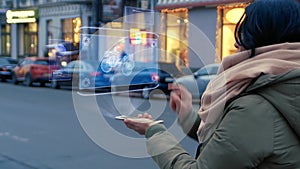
x=34 y=69
x=197 y=82
x=80 y=74
x=63 y=52
x=6 y=66
x=146 y=78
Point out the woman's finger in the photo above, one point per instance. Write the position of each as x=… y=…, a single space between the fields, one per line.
x=175 y=102
x=148 y=116
x=184 y=93
x=129 y=124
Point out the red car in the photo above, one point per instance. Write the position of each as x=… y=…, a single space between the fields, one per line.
x=34 y=69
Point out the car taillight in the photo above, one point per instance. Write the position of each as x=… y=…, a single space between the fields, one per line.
x=3 y=68
x=155 y=77
x=95 y=73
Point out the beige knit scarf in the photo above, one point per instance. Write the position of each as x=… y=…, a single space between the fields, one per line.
x=236 y=73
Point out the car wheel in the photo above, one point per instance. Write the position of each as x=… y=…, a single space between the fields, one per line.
x=127 y=67
x=105 y=66
x=14 y=79
x=42 y=84
x=54 y=84
x=146 y=93
x=85 y=82
x=28 y=80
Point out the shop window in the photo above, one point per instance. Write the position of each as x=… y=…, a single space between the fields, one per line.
x=5 y=40
x=175 y=41
x=112 y=10
x=228 y=16
x=49 y=31
x=71 y=30
x=31 y=39
x=35 y=2
x=9 y=3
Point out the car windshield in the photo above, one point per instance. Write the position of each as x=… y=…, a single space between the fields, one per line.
x=8 y=61
x=69 y=46
x=45 y=62
x=3 y=62
x=11 y=61
x=208 y=70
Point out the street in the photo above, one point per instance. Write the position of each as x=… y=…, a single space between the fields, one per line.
x=44 y=128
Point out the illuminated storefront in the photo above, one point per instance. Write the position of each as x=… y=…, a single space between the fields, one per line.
x=30 y=39
x=71 y=30
x=5 y=40
x=216 y=19
x=21 y=16
x=175 y=41
x=5 y=35
x=61 y=25
x=229 y=15
x=23 y=25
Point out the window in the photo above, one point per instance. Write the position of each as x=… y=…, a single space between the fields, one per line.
x=49 y=26
x=45 y=62
x=112 y=9
x=130 y=3
x=175 y=43
x=31 y=39
x=228 y=16
x=9 y=4
x=5 y=39
x=35 y=2
x=71 y=30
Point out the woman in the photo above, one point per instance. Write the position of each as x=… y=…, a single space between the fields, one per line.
x=250 y=113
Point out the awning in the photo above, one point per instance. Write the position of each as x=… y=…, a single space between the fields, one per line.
x=171 y=4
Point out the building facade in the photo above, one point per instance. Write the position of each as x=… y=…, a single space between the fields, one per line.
x=216 y=19
x=5 y=33
x=29 y=27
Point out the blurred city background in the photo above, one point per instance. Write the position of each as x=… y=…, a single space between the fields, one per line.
x=28 y=27
x=42 y=42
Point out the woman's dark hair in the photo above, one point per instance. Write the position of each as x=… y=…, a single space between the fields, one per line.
x=267 y=22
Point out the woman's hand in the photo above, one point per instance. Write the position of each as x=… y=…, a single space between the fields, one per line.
x=141 y=123
x=180 y=100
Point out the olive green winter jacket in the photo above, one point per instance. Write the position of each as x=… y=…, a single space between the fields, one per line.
x=261 y=129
